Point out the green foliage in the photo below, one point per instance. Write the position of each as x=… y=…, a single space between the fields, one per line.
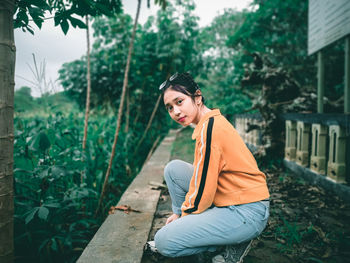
x=221 y=75
x=57 y=185
x=63 y=12
x=26 y=105
x=107 y=63
x=163 y=46
x=278 y=30
x=24 y=100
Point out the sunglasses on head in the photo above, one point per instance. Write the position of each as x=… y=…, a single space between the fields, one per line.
x=167 y=83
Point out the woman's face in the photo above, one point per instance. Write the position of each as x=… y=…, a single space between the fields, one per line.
x=181 y=107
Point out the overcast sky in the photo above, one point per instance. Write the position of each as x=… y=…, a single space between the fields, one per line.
x=50 y=44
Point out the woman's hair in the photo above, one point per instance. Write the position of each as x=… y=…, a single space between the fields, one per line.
x=184 y=83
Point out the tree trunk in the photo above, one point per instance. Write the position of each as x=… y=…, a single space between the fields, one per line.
x=88 y=78
x=120 y=110
x=7 y=83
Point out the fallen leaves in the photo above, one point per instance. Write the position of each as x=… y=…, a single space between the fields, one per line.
x=157 y=185
x=306 y=221
x=125 y=208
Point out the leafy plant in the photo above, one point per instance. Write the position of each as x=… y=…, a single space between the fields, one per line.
x=290 y=234
x=57 y=184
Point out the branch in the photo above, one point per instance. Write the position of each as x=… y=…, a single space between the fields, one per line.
x=281 y=103
x=88 y=79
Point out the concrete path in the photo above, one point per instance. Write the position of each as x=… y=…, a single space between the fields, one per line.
x=122 y=236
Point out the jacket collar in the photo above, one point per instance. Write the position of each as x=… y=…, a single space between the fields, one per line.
x=198 y=128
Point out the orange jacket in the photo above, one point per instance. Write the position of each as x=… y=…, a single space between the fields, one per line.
x=225 y=171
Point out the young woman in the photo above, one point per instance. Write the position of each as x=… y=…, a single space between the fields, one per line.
x=220 y=199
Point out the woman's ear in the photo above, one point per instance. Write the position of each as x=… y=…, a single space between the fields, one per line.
x=198 y=97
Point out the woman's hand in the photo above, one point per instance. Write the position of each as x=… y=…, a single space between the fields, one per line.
x=172 y=218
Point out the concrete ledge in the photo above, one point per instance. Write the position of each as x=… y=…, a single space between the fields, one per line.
x=122 y=236
x=341 y=190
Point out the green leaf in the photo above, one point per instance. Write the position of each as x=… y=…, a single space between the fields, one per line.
x=43 y=244
x=58 y=172
x=53 y=205
x=44 y=172
x=54 y=244
x=44 y=142
x=65 y=26
x=41 y=142
x=40 y=4
x=30 y=30
x=43 y=212
x=76 y=22
x=57 y=19
x=103 y=9
x=37 y=15
x=22 y=16
x=31 y=215
x=51 y=133
x=23 y=164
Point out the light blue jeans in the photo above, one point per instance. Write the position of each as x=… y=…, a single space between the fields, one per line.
x=210 y=229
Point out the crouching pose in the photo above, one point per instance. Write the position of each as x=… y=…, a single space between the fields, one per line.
x=221 y=200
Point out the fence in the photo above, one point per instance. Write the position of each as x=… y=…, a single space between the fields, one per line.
x=252 y=138
x=319 y=142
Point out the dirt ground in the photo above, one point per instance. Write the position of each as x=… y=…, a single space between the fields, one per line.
x=306 y=224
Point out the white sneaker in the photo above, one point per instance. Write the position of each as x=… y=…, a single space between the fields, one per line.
x=150 y=247
x=233 y=253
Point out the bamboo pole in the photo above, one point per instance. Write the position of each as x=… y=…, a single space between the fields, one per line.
x=127 y=112
x=88 y=78
x=120 y=110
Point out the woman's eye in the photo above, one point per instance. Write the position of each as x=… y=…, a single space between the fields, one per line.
x=169 y=108
x=179 y=102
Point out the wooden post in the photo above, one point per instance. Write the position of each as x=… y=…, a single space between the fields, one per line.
x=347 y=76
x=320 y=81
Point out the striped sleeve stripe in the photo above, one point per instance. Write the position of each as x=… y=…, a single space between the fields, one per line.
x=197 y=169
x=205 y=167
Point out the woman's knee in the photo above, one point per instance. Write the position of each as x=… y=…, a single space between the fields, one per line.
x=164 y=245
x=170 y=170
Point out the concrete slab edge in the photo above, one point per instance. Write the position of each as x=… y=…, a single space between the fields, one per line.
x=121 y=237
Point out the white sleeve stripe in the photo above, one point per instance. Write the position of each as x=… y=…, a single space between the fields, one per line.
x=197 y=169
